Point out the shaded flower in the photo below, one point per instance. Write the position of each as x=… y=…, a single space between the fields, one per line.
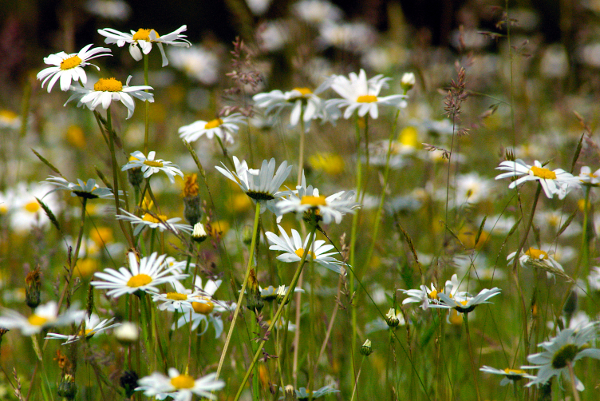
x=464 y=303
x=223 y=127
x=154 y=221
x=151 y=166
x=180 y=387
x=428 y=296
x=93 y=326
x=510 y=375
x=43 y=316
x=87 y=190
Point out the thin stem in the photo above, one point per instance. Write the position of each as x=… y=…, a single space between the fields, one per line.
x=147 y=116
x=573 y=385
x=473 y=368
x=356 y=381
x=301 y=151
x=243 y=291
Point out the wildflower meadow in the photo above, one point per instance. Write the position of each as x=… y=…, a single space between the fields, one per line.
x=325 y=207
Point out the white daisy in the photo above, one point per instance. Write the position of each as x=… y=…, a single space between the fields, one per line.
x=9 y=119
x=151 y=166
x=569 y=346
x=93 y=326
x=260 y=185
x=293 y=248
x=87 y=190
x=24 y=210
x=108 y=89
x=69 y=67
x=317 y=12
x=427 y=296
x=464 y=303
x=588 y=178
x=180 y=387
x=144 y=39
x=179 y=300
x=362 y=95
x=198 y=62
x=154 y=221
x=356 y=37
x=308 y=203
x=553 y=181
x=43 y=316
x=510 y=375
x=207 y=310
x=533 y=257
x=144 y=276
x=222 y=127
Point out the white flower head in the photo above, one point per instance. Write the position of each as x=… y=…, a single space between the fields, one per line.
x=144 y=276
x=553 y=181
x=140 y=41
x=534 y=257
x=317 y=12
x=293 y=249
x=588 y=178
x=463 y=303
x=150 y=165
x=107 y=90
x=569 y=346
x=154 y=221
x=428 y=296
x=43 y=316
x=510 y=375
x=86 y=190
x=223 y=127
x=362 y=95
x=198 y=62
x=180 y=387
x=69 y=67
x=180 y=299
x=93 y=326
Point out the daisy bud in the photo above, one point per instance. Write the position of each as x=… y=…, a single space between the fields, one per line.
x=199 y=234
x=191 y=200
x=247 y=235
x=67 y=387
x=127 y=333
x=129 y=382
x=391 y=318
x=408 y=81
x=254 y=301
x=366 y=348
x=571 y=304
x=290 y=394
x=281 y=294
x=33 y=283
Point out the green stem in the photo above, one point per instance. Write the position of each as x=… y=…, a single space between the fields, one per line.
x=302 y=141
x=473 y=368
x=357 y=377
x=243 y=291
x=288 y=294
x=572 y=376
x=147 y=116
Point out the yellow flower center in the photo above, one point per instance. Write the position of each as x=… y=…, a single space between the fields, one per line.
x=213 y=123
x=203 y=308
x=455 y=318
x=313 y=200
x=536 y=254
x=152 y=219
x=139 y=280
x=367 y=99
x=153 y=163
x=32 y=207
x=36 y=320
x=434 y=294
x=176 y=296
x=300 y=253
x=303 y=91
x=543 y=173
x=144 y=34
x=183 y=381
x=108 y=85
x=87 y=333
x=514 y=371
x=8 y=115
x=70 y=62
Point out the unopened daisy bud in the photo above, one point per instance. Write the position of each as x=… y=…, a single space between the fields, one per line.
x=67 y=387
x=281 y=294
x=290 y=394
x=33 y=283
x=247 y=235
x=129 y=382
x=199 y=234
x=571 y=304
x=366 y=348
x=254 y=301
x=391 y=318
x=191 y=200
x=127 y=333
x=408 y=81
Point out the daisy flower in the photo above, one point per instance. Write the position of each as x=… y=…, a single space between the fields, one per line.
x=86 y=190
x=69 y=67
x=308 y=203
x=143 y=39
x=427 y=296
x=362 y=95
x=151 y=166
x=569 y=346
x=510 y=375
x=588 y=178
x=303 y=394
x=144 y=276
x=43 y=316
x=553 y=181
x=222 y=127
x=198 y=62
x=464 y=303
x=293 y=249
x=154 y=221
x=108 y=89
x=261 y=185
x=93 y=326
x=317 y=12
x=206 y=310
x=537 y=258
x=179 y=300
x=180 y=387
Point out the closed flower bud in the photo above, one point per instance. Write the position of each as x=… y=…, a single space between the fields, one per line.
x=247 y=235
x=199 y=234
x=408 y=81
x=191 y=200
x=391 y=318
x=127 y=333
x=290 y=394
x=67 y=387
x=571 y=304
x=281 y=294
x=129 y=382
x=366 y=348
x=254 y=301
x=33 y=283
